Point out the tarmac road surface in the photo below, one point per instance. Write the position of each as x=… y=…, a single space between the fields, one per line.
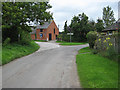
x=52 y=66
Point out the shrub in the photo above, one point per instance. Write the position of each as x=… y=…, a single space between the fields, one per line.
x=66 y=38
x=60 y=37
x=25 y=38
x=111 y=53
x=107 y=46
x=7 y=41
x=91 y=37
x=94 y=51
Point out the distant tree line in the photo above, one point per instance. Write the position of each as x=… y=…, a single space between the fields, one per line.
x=81 y=25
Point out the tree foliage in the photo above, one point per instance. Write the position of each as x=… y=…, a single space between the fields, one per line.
x=99 y=26
x=91 y=37
x=79 y=26
x=108 y=16
x=16 y=15
x=91 y=25
x=65 y=37
x=65 y=27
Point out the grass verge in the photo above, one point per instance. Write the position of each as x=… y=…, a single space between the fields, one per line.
x=0 y=54
x=96 y=71
x=72 y=43
x=14 y=50
x=40 y=40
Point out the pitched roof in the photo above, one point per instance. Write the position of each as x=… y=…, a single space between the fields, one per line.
x=44 y=26
x=113 y=27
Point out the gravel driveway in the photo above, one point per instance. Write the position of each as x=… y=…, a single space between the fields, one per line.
x=52 y=66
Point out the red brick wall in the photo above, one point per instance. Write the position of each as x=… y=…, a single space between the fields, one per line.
x=38 y=34
x=50 y=29
x=46 y=32
x=33 y=36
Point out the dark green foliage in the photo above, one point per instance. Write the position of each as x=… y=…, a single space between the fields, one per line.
x=40 y=40
x=108 y=16
x=94 y=51
x=91 y=37
x=91 y=25
x=80 y=27
x=65 y=27
x=60 y=37
x=16 y=15
x=110 y=53
x=10 y=32
x=25 y=38
x=99 y=26
x=7 y=41
x=65 y=37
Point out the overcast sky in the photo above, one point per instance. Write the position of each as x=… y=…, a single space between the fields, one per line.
x=65 y=9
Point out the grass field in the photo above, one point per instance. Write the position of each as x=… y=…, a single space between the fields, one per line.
x=13 y=51
x=72 y=43
x=96 y=71
x=84 y=50
x=40 y=40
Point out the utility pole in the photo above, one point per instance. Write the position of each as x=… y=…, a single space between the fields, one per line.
x=70 y=36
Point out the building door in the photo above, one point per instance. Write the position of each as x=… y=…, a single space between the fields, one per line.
x=56 y=37
x=50 y=36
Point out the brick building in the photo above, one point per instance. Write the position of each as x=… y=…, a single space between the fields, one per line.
x=47 y=31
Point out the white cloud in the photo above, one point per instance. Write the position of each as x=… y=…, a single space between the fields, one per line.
x=65 y=9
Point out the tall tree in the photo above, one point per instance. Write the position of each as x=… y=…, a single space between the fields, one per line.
x=65 y=27
x=16 y=15
x=65 y=36
x=91 y=25
x=99 y=25
x=108 y=16
x=79 y=25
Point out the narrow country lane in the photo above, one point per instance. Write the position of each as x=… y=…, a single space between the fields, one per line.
x=52 y=66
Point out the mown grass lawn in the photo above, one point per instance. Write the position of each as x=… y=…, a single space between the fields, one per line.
x=96 y=71
x=14 y=50
x=72 y=43
x=40 y=40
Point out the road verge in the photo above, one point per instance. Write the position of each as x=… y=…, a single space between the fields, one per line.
x=15 y=50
